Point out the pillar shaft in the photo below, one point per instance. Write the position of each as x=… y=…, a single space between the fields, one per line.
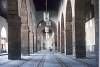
x=80 y=39
x=31 y=41
x=55 y=40
x=24 y=28
x=25 y=40
x=97 y=32
x=35 y=41
x=80 y=16
x=62 y=42
x=58 y=37
x=38 y=43
x=41 y=42
x=62 y=36
x=69 y=41
x=69 y=46
x=14 y=31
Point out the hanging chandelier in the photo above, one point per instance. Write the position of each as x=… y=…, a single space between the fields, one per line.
x=46 y=13
x=46 y=18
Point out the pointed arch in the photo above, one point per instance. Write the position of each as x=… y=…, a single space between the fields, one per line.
x=68 y=11
x=3 y=33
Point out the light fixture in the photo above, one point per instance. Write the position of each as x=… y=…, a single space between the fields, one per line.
x=46 y=29
x=46 y=13
x=46 y=18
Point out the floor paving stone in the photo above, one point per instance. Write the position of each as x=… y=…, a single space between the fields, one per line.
x=42 y=59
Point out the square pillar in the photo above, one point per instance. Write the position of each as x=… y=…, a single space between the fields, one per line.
x=14 y=31
x=58 y=37
x=62 y=42
x=69 y=46
x=31 y=41
x=55 y=41
x=80 y=46
x=80 y=19
x=35 y=41
x=25 y=40
x=97 y=32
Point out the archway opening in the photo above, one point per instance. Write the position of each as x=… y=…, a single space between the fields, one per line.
x=46 y=35
x=90 y=38
x=49 y=40
x=4 y=42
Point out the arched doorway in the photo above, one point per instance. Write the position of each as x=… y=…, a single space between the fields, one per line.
x=90 y=38
x=4 y=42
x=3 y=35
x=46 y=35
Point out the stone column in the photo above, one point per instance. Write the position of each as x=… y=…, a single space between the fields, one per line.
x=80 y=39
x=38 y=42
x=62 y=35
x=55 y=40
x=44 y=45
x=14 y=31
x=73 y=35
x=41 y=42
x=58 y=37
x=69 y=28
x=80 y=28
x=24 y=28
x=97 y=32
x=69 y=39
x=31 y=41
x=62 y=43
x=25 y=39
x=35 y=41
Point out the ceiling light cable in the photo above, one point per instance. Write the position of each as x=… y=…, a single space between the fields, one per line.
x=46 y=5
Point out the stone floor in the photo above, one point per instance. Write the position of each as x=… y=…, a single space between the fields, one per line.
x=42 y=59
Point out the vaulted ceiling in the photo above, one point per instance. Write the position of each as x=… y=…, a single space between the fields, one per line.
x=40 y=5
